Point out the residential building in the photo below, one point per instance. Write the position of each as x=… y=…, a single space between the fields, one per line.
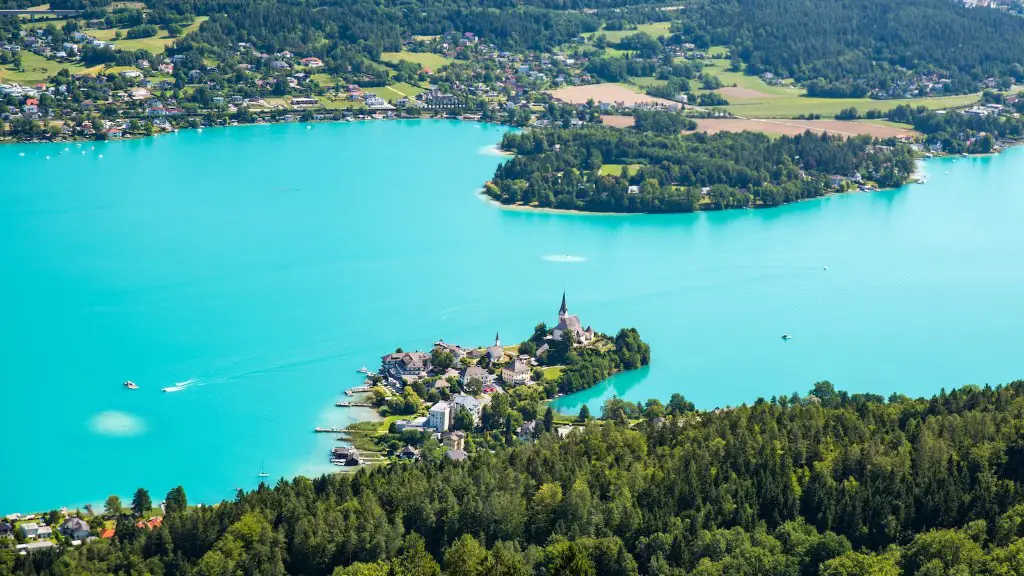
x=409 y=453
x=455 y=439
x=527 y=430
x=44 y=532
x=33 y=546
x=6 y=530
x=457 y=455
x=469 y=403
x=477 y=372
x=517 y=371
x=28 y=529
x=75 y=528
x=439 y=417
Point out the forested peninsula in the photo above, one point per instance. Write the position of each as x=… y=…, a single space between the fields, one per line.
x=828 y=483
x=660 y=170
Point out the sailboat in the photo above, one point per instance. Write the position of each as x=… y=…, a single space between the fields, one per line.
x=262 y=473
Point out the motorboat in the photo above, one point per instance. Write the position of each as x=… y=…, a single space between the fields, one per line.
x=787 y=337
x=131 y=385
x=363 y=370
x=263 y=473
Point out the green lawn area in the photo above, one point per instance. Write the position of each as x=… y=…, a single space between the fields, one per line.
x=395 y=91
x=654 y=29
x=58 y=23
x=154 y=44
x=552 y=372
x=424 y=59
x=789 y=101
x=616 y=169
x=718 y=51
x=37 y=69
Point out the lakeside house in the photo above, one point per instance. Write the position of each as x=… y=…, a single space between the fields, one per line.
x=398 y=364
x=29 y=530
x=470 y=403
x=75 y=528
x=496 y=353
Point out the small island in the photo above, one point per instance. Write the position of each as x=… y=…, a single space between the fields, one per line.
x=493 y=393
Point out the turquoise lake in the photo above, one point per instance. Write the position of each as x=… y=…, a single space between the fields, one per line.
x=266 y=264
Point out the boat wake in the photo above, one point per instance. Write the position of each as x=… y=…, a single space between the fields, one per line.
x=179 y=386
x=567 y=258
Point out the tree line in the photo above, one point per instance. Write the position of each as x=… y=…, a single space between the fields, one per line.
x=828 y=483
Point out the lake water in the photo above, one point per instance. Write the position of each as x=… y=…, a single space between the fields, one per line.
x=264 y=265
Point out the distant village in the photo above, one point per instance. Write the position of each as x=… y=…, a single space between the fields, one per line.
x=466 y=380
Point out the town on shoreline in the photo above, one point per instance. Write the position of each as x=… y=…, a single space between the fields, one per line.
x=493 y=393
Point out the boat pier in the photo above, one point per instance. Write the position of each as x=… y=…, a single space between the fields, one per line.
x=344 y=404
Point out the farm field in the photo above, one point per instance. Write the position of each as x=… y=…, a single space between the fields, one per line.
x=608 y=93
x=426 y=60
x=154 y=44
x=750 y=97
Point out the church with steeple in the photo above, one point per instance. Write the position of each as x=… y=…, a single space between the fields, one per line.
x=570 y=324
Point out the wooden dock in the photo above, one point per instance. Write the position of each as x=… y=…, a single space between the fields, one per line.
x=353 y=404
x=321 y=430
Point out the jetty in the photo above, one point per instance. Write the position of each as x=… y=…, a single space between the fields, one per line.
x=344 y=404
x=357 y=390
x=322 y=430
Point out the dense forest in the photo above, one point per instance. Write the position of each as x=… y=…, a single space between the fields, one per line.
x=873 y=42
x=828 y=483
x=683 y=173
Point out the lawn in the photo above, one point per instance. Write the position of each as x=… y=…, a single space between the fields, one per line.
x=58 y=23
x=654 y=29
x=154 y=44
x=38 y=69
x=426 y=60
x=395 y=91
x=552 y=372
x=617 y=169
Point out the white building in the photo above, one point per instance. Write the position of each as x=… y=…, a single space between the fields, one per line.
x=439 y=417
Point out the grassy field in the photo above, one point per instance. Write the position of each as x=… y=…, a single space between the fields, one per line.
x=424 y=59
x=750 y=97
x=552 y=372
x=37 y=69
x=154 y=44
x=395 y=91
x=41 y=23
x=645 y=81
x=654 y=29
x=617 y=169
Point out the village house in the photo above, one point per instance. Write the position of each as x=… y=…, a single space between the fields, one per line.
x=517 y=371
x=527 y=431
x=479 y=373
x=28 y=530
x=470 y=403
x=312 y=62
x=75 y=528
x=408 y=453
x=33 y=546
x=44 y=532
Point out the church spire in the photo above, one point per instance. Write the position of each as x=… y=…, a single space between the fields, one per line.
x=497 y=339
x=564 y=309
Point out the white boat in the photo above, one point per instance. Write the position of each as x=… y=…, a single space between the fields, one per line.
x=363 y=370
x=262 y=473
x=787 y=337
x=131 y=385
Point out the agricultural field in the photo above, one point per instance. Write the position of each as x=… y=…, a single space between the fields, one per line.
x=426 y=60
x=608 y=92
x=654 y=29
x=38 y=69
x=154 y=44
x=750 y=97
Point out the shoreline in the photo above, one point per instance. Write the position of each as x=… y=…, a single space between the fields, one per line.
x=918 y=176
